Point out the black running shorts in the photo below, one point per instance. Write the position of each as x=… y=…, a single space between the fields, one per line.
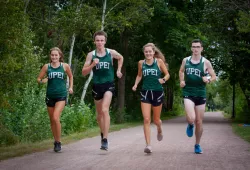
x=155 y=98
x=51 y=102
x=98 y=90
x=197 y=100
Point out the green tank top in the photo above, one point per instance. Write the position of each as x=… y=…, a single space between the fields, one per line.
x=103 y=72
x=193 y=78
x=151 y=74
x=56 y=87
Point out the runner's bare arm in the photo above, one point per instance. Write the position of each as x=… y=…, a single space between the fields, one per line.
x=210 y=70
x=164 y=69
x=119 y=57
x=87 y=67
x=70 y=75
x=139 y=75
x=181 y=73
x=42 y=74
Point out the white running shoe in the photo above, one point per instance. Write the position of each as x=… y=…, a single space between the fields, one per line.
x=148 y=149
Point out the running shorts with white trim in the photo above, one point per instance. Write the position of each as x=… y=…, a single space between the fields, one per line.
x=98 y=90
x=155 y=98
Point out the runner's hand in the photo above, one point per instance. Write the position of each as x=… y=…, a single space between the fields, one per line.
x=161 y=81
x=134 y=87
x=182 y=84
x=119 y=74
x=70 y=91
x=205 y=79
x=95 y=61
x=45 y=80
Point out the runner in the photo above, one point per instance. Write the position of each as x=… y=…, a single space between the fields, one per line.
x=150 y=70
x=56 y=91
x=193 y=81
x=101 y=62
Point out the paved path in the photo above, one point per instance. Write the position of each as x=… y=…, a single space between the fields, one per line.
x=222 y=150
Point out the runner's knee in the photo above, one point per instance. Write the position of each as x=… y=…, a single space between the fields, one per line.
x=191 y=119
x=55 y=119
x=98 y=117
x=198 y=123
x=147 y=120
x=105 y=111
x=157 y=122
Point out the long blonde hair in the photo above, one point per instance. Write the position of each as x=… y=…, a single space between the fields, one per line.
x=158 y=53
x=59 y=51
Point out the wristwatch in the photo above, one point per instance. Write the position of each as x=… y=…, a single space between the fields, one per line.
x=164 y=80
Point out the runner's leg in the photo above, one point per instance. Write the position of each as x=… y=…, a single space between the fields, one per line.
x=157 y=120
x=105 y=110
x=146 y=112
x=189 y=109
x=199 y=112
x=99 y=114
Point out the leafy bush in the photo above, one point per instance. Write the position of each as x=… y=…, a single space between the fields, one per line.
x=178 y=107
x=223 y=100
x=27 y=118
x=77 y=118
x=7 y=137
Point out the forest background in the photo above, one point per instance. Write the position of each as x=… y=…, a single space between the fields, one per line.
x=29 y=28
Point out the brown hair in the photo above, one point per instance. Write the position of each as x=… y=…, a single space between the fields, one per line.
x=100 y=33
x=197 y=41
x=158 y=53
x=59 y=51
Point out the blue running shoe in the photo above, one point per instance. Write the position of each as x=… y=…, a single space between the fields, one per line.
x=197 y=149
x=190 y=130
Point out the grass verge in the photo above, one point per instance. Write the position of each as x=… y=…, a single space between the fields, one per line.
x=27 y=148
x=242 y=131
x=239 y=129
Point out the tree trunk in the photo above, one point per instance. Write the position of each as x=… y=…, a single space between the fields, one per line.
x=26 y=5
x=245 y=89
x=121 y=81
x=248 y=109
x=86 y=86
x=233 y=107
x=168 y=102
x=170 y=98
x=70 y=60
x=103 y=14
x=121 y=97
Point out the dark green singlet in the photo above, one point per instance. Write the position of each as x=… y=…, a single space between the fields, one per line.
x=56 y=87
x=103 y=72
x=151 y=74
x=195 y=86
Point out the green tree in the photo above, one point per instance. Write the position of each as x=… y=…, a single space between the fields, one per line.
x=18 y=64
x=227 y=28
